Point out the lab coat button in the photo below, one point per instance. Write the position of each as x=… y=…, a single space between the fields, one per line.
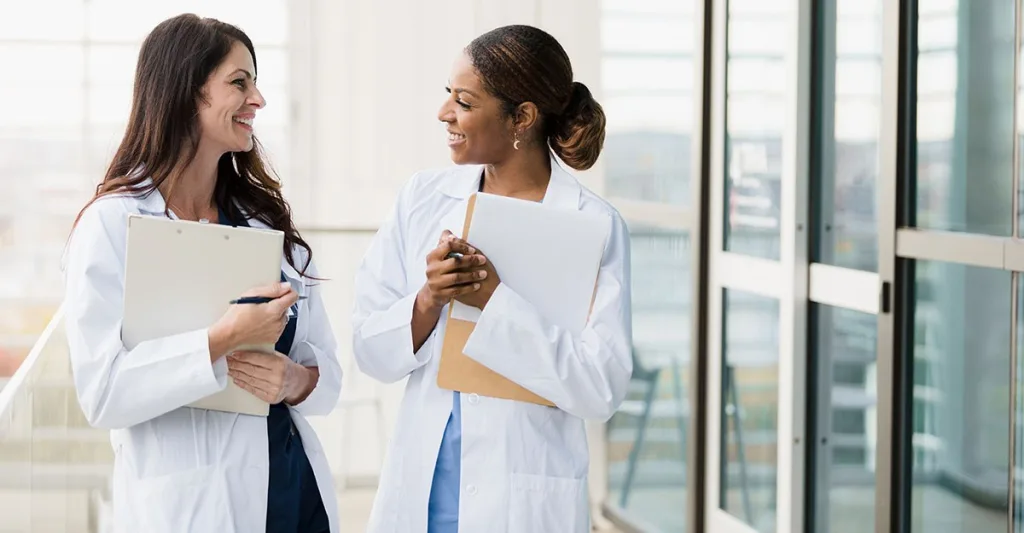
x=471 y=490
x=474 y=399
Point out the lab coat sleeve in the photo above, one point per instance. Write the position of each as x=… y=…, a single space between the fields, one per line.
x=585 y=375
x=382 y=315
x=319 y=349
x=116 y=387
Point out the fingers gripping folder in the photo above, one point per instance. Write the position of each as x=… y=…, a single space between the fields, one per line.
x=524 y=239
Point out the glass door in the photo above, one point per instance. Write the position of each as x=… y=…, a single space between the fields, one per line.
x=757 y=266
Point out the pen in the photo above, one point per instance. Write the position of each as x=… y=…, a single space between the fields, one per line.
x=256 y=300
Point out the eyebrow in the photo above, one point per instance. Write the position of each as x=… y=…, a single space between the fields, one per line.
x=467 y=91
x=243 y=71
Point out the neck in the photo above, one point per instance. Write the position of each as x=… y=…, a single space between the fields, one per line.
x=194 y=190
x=525 y=176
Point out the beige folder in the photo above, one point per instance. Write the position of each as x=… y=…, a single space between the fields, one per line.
x=459 y=372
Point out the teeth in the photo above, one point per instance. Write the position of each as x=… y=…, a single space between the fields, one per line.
x=456 y=136
x=246 y=121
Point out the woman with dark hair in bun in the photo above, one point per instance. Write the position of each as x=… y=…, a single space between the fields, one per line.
x=461 y=462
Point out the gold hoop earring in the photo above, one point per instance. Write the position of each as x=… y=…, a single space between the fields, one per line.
x=515 y=143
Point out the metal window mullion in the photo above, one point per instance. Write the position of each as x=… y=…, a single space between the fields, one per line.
x=1011 y=507
x=1011 y=476
x=819 y=446
x=793 y=304
x=700 y=185
x=887 y=494
x=716 y=96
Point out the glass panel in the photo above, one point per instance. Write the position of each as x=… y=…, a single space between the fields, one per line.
x=647 y=75
x=647 y=33
x=42 y=64
x=755 y=116
x=34 y=106
x=43 y=20
x=647 y=168
x=961 y=398
x=649 y=112
x=1018 y=418
x=846 y=358
x=964 y=133
x=131 y=21
x=656 y=7
x=112 y=64
x=272 y=67
x=1020 y=131
x=276 y=150
x=110 y=105
x=647 y=436
x=849 y=124
x=750 y=405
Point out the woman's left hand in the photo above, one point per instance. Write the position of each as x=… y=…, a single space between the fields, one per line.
x=488 y=285
x=272 y=378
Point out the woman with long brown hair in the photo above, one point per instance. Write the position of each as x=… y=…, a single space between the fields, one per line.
x=189 y=153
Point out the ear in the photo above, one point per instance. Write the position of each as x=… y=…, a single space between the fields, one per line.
x=525 y=116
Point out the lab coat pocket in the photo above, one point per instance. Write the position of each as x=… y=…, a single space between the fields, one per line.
x=181 y=501
x=545 y=504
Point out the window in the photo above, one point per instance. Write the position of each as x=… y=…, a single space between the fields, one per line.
x=65 y=93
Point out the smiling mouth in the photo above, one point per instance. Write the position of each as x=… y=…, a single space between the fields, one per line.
x=455 y=137
x=244 y=121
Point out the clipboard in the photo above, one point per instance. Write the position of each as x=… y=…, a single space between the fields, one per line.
x=180 y=276
x=459 y=372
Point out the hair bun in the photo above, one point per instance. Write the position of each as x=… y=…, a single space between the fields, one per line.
x=578 y=134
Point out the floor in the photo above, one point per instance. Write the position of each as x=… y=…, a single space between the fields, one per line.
x=354 y=506
x=936 y=510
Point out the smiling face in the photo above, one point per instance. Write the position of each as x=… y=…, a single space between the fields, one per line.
x=231 y=100
x=479 y=131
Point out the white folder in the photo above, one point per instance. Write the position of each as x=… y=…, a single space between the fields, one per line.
x=550 y=256
x=180 y=276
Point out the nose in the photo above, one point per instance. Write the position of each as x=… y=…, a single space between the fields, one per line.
x=255 y=98
x=446 y=113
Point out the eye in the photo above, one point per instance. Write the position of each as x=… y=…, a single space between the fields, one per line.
x=464 y=105
x=240 y=82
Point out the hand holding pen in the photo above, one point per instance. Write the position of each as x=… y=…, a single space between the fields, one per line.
x=244 y=325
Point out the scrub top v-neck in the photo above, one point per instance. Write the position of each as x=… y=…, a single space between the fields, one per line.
x=293 y=499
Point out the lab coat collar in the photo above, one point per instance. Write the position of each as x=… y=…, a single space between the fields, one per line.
x=563 y=189
x=153 y=203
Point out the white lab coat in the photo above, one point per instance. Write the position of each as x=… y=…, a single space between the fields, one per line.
x=176 y=468
x=524 y=466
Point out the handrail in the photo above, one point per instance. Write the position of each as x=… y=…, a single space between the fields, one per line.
x=352 y=230
x=21 y=375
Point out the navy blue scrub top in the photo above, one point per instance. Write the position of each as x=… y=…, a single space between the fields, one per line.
x=293 y=499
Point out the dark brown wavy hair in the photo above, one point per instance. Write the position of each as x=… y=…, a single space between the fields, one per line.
x=163 y=132
x=521 y=63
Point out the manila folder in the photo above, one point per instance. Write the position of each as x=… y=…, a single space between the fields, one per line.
x=180 y=276
x=550 y=256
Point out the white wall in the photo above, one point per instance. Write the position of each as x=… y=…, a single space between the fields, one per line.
x=368 y=80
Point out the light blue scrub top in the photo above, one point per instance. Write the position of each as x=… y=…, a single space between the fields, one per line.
x=443 y=513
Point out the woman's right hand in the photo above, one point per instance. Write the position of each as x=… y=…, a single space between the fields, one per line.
x=448 y=278
x=253 y=324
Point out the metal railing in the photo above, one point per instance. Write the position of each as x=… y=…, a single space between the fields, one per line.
x=54 y=468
